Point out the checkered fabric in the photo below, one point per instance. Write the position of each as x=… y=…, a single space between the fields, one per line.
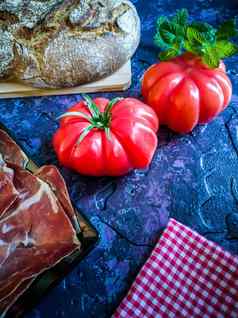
x=185 y=276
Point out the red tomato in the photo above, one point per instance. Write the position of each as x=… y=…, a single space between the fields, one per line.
x=185 y=92
x=98 y=139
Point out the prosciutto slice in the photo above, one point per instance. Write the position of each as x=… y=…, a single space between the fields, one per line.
x=35 y=234
x=8 y=192
x=51 y=175
x=10 y=151
x=38 y=225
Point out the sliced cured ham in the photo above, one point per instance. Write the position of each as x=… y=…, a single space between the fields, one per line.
x=38 y=225
x=10 y=151
x=8 y=192
x=35 y=234
x=52 y=176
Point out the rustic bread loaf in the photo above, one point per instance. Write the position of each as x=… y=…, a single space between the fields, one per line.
x=59 y=43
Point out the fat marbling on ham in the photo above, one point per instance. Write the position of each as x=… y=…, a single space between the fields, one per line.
x=8 y=192
x=10 y=151
x=37 y=222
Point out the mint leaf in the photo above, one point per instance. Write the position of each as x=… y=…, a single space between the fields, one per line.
x=161 y=38
x=211 y=57
x=194 y=35
x=226 y=48
x=203 y=32
x=168 y=54
x=212 y=54
x=169 y=35
x=192 y=47
x=181 y=17
x=178 y=30
x=159 y=41
x=175 y=35
x=210 y=61
x=227 y=30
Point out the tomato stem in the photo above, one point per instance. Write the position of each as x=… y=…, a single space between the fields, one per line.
x=91 y=106
x=79 y=114
x=98 y=120
x=110 y=105
x=85 y=132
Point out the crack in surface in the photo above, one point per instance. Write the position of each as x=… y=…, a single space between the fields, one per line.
x=122 y=236
x=206 y=181
x=206 y=201
x=230 y=135
x=234 y=191
x=208 y=190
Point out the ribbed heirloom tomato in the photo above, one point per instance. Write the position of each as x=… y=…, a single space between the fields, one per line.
x=102 y=138
x=184 y=92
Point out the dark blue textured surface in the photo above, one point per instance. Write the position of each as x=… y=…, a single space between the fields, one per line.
x=193 y=178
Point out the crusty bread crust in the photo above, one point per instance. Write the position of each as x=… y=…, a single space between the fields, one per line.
x=66 y=43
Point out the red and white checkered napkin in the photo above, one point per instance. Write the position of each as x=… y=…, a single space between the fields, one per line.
x=185 y=276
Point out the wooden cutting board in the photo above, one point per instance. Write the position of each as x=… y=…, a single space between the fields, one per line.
x=119 y=81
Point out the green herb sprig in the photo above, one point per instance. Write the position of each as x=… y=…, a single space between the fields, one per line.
x=176 y=35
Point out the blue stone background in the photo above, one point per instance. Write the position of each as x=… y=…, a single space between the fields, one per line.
x=193 y=178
